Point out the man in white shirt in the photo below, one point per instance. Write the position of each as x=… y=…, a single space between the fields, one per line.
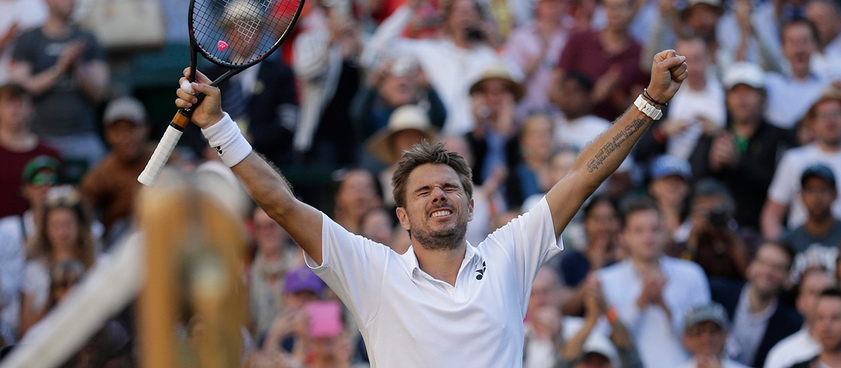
x=802 y=344
x=824 y=118
x=445 y=302
x=828 y=327
x=651 y=291
x=704 y=336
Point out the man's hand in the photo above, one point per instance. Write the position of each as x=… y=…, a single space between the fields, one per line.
x=668 y=71
x=210 y=110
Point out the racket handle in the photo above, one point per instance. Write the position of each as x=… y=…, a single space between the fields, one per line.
x=164 y=149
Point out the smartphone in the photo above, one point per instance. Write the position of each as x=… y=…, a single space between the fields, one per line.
x=325 y=318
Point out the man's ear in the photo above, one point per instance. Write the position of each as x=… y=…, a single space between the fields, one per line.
x=403 y=217
x=470 y=211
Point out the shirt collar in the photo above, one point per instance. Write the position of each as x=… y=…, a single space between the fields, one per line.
x=412 y=265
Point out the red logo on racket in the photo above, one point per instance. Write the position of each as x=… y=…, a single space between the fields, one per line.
x=221 y=45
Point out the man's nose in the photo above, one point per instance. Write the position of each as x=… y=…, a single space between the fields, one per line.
x=438 y=194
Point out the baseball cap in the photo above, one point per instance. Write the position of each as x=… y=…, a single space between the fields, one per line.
x=665 y=165
x=712 y=312
x=124 y=108
x=302 y=279
x=597 y=343
x=744 y=72
x=41 y=170
x=818 y=170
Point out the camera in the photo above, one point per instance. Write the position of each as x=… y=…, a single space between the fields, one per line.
x=719 y=218
x=473 y=33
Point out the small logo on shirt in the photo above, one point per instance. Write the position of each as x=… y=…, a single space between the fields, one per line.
x=481 y=272
x=218 y=150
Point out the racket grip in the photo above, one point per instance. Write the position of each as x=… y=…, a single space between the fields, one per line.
x=164 y=149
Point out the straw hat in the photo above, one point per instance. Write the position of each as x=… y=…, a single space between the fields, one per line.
x=406 y=117
x=499 y=72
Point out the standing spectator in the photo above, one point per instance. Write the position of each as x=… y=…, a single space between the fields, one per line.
x=828 y=328
x=791 y=93
x=610 y=57
x=804 y=343
x=63 y=67
x=824 y=119
x=670 y=187
x=451 y=62
x=651 y=292
x=326 y=64
x=760 y=318
x=745 y=153
x=18 y=145
x=110 y=187
x=816 y=242
x=826 y=16
x=532 y=173
x=535 y=48
x=704 y=335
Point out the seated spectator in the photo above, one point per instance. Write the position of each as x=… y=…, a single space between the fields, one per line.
x=804 y=343
x=378 y=225
x=704 y=335
x=356 y=194
x=760 y=318
x=532 y=173
x=544 y=322
x=827 y=326
x=300 y=287
x=601 y=228
x=111 y=186
x=816 y=242
x=18 y=145
x=63 y=234
x=407 y=125
x=650 y=291
x=670 y=186
x=824 y=118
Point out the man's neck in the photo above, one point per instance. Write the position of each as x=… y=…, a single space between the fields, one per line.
x=442 y=264
x=757 y=302
x=643 y=265
x=819 y=226
x=828 y=148
x=56 y=26
x=18 y=140
x=800 y=73
x=745 y=128
x=831 y=358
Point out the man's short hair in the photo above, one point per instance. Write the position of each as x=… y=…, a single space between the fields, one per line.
x=637 y=204
x=786 y=248
x=13 y=91
x=427 y=153
x=801 y=21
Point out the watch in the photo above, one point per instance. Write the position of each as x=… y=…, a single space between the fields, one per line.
x=647 y=108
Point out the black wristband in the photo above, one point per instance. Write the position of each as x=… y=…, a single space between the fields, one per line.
x=648 y=96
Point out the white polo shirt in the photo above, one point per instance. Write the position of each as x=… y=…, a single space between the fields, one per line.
x=409 y=319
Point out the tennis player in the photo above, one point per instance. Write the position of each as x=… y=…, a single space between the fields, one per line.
x=444 y=303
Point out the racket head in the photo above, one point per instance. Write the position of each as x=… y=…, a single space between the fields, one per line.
x=237 y=34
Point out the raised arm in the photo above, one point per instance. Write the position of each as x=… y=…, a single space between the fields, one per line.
x=601 y=157
x=263 y=182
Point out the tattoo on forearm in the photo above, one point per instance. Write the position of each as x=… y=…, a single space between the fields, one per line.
x=611 y=146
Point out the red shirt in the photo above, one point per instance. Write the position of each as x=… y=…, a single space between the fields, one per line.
x=11 y=171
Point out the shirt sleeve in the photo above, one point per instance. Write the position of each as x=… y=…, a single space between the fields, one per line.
x=353 y=267
x=784 y=184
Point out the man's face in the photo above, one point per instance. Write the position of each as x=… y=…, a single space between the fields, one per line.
x=703 y=18
x=573 y=99
x=828 y=324
x=769 y=270
x=14 y=113
x=643 y=234
x=357 y=194
x=437 y=208
x=811 y=286
x=398 y=90
x=536 y=138
x=495 y=95
x=705 y=338
x=818 y=195
x=826 y=123
x=464 y=14
x=825 y=19
x=798 y=45
x=619 y=14
x=126 y=138
x=696 y=55
x=745 y=102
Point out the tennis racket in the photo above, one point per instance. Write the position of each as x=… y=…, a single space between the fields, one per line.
x=234 y=34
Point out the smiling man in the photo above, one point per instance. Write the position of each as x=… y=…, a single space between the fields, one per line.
x=444 y=303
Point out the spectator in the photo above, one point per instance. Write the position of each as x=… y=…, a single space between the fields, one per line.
x=111 y=186
x=799 y=86
x=704 y=335
x=670 y=187
x=824 y=119
x=535 y=49
x=714 y=241
x=826 y=16
x=451 y=62
x=610 y=57
x=544 y=322
x=760 y=318
x=804 y=343
x=356 y=195
x=274 y=259
x=698 y=109
x=745 y=153
x=828 y=328
x=532 y=173
x=494 y=96
x=326 y=64
x=601 y=227
x=300 y=287
x=395 y=82
x=17 y=16
x=407 y=125
x=651 y=292
x=64 y=69
x=18 y=145
x=697 y=19
x=816 y=242
x=377 y=225
x=63 y=234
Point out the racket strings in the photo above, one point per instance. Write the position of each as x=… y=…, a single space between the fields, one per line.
x=240 y=32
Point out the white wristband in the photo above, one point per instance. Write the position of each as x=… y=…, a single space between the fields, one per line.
x=226 y=138
x=647 y=108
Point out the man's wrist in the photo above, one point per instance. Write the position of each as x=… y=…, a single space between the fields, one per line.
x=225 y=137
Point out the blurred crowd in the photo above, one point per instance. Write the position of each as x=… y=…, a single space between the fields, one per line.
x=715 y=244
